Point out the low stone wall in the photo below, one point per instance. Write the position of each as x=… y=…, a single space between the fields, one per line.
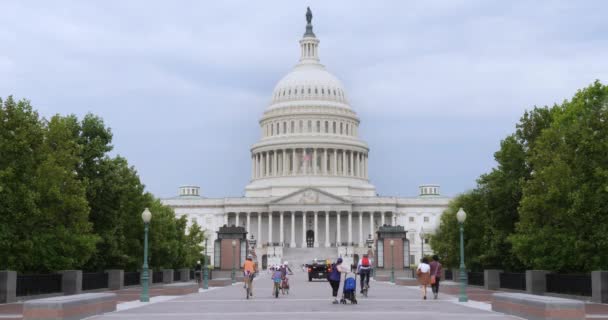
x=178 y=289
x=535 y=307
x=71 y=307
x=220 y=282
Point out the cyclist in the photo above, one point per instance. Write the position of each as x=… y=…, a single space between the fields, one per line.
x=364 y=268
x=249 y=270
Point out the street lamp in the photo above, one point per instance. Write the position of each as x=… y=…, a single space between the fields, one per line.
x=205 y=269
x=233 y=261
x=461 y=216
x=422 y=243
x=146 y=216
x=392 y=243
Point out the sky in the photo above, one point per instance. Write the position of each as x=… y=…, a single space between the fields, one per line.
x=182 y=84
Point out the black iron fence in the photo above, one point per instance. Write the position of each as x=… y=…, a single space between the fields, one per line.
x=33 y=284
x=157 y=276
x=515 y=281
x=449 y=275
x=191 y=274
x=575 y=284
x=131 y=278
x=94 y=280
x=177 y=276
x=475 y=278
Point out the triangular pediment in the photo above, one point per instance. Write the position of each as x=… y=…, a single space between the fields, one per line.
x=310 y=196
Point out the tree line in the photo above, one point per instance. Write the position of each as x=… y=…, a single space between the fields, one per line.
x=545 y=204
x=66 y=203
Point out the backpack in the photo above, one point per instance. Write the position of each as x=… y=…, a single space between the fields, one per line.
x=350 y=284
x=334 y=275
x=365 y=262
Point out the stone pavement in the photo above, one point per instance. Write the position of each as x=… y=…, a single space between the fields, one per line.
x=306 y=300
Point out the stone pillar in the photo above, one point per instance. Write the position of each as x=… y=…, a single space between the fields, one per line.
x=351 y=171
x=259 y=242
x=270 y=227
x=599 y=287
x=327 y=244
x=8 y=286
x=536 y=281
x=335 y=163
x=275 y=164
x=314 y=161
x=304 y=229
x=184 y=274
x=281 y=239
x=344 y=165
x=167 y=275
x=116 y=279
x=491 y=279
x=371 y=223
x=285 y=165
x=252 y=167
x=316 y=243
x=338 y=226
x=71 y=281
x=267 y=168
x=350 y=227
x=324 y=163
x=361 y=243
x=292 y=242
x=248 y=222
x=236 y=219
x=259 y=164
x=293 y=162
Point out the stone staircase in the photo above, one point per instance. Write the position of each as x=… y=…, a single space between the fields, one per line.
x=299 y=256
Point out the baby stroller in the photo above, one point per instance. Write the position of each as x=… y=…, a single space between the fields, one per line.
x=285 y=285
x=350 y=287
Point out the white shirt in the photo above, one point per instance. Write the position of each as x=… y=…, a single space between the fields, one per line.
x=424 y=267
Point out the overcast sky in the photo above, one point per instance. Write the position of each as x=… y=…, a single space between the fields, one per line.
x=182 y=84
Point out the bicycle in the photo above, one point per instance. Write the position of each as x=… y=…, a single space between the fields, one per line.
x=248 y=291
x=365 y=290
x=277 y=287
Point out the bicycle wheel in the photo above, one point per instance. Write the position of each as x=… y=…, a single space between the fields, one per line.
x=276 y=291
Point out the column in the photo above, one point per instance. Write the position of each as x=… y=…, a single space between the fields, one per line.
x=248 y=222
x=324 y=162
x=270 y=227
x=344 y=165
x=236 y=219
x=361 y=244
x=314 y=162
x=359 y=164
x=335 y=164
x=371 y=223
x=365 y=164
x=327 y=244
x=275 y=164
x=285 y=165
x=267 y=168
x=293 y=161
x=382 y=218
x=252 y=166
x=259 y=243
x=281 y=228
x=351 y=172
x=292 y=243
x=316 y=243
x=303 y=229
x=350 y=227
x=338 y=226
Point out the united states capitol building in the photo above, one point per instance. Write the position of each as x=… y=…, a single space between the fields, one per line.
x=310 y=194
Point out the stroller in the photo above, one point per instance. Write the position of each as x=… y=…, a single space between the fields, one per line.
x=350 y=287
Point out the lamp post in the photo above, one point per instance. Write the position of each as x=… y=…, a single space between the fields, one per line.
x=146 y=216
x=233 y=261
x=422 y=235
x=206 y=269
x=461 y=216
x=392 y=243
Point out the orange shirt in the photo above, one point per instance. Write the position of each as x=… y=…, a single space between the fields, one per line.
x=249 y=266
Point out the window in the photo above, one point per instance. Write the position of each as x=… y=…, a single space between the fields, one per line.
x=411 y=219
x=309 y=126
x=318 y=128
x=426 y=219
x=426 y=240
x=326 y=127
x=301 y=126
x=334 y=125
x=340 y=127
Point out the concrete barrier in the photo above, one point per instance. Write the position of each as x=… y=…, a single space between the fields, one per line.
x=71 y=307
x=536 y=307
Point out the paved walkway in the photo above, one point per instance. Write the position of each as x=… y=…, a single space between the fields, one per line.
x=307 y=300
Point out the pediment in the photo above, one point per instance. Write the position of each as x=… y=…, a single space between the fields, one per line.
x=310 y=196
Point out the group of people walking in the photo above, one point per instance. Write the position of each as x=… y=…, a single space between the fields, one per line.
x=429 y=274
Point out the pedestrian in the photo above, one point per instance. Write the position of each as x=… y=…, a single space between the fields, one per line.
x=197 y=271
x=334 y=278
x=424 y=275
x=435 y=275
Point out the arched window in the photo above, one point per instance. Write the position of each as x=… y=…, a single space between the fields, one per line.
x=316 y=91
x=322 y=91
x=318 y=128
x=309 y=126
x=308 y=90
x=334 y=125
x=347 y=129
x=340 y=127
x=326 y=127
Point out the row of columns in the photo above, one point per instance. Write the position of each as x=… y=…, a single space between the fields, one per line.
x=315 y=226
x=319 y=161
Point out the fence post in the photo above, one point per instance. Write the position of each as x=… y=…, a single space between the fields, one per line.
x=8 y=286
x=491 y=279
x=599 y=286
x=184 y=274
x=536 y=281
x=116 y=279
x=167 y=275
x=71 y=281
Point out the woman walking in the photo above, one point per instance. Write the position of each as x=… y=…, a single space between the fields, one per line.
x=334 y=279
x=424 y=275
x=435 y=275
